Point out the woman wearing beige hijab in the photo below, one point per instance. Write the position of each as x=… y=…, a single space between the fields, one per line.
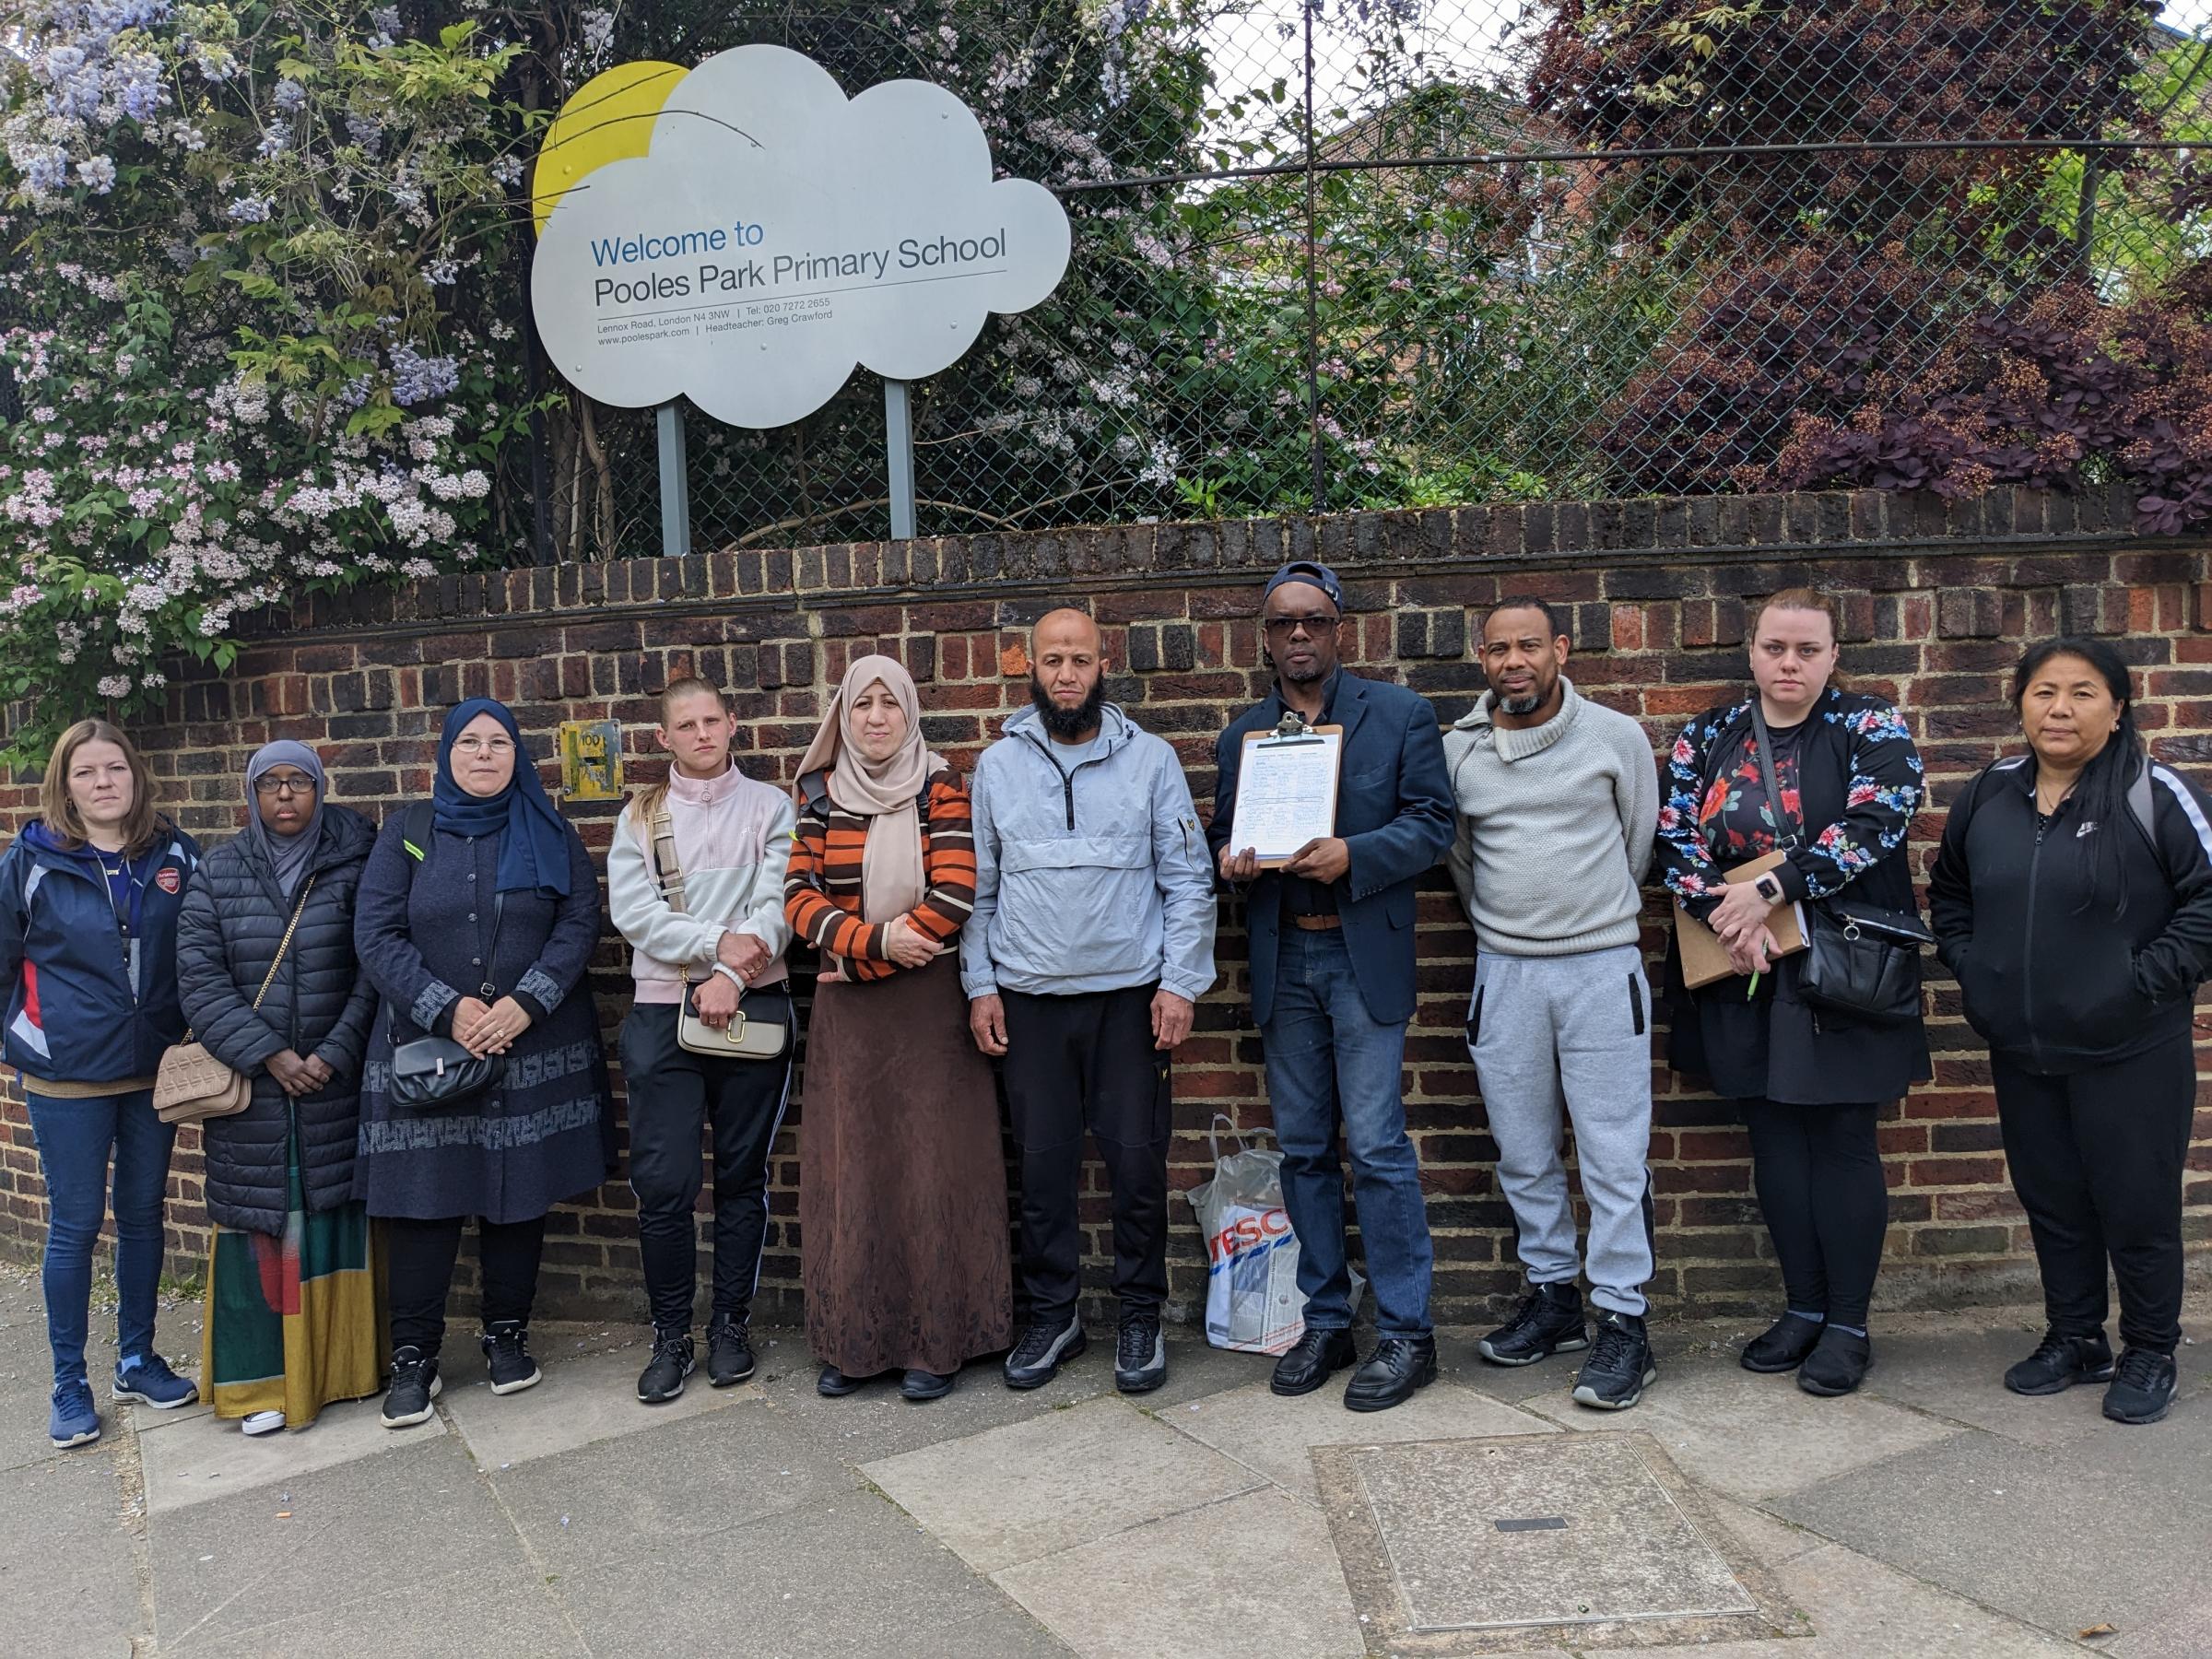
x=902 y=1191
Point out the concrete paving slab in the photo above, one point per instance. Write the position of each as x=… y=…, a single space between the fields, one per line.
x=1958 y=1375
x=204 y=1460
x=847 y=1579
x=67 y=1576
x=1457 y=1360
x=1757 y=1437
x=1251 y=1577
x=585 y=1396
x=1037 y=1487
x=617 y=1500
x=1273 y=1436
x=453 y=1616
x=326 y=1540
x=2183 y=1633
x=145 y=1419
x=2093 y=1532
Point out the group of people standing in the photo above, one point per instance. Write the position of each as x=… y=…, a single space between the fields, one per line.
x=1054 y=913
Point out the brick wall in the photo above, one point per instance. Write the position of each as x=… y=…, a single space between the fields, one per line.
x=1937 y=600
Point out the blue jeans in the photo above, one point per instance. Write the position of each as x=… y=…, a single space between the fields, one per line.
x=74 y=1138
x=1328 y=1057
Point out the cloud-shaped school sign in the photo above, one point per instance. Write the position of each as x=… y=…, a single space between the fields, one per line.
x=743 y=234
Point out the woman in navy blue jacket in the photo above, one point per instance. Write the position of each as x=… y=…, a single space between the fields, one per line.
x=89 y=901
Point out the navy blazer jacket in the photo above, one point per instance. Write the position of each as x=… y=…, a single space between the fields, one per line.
x=1393 y=813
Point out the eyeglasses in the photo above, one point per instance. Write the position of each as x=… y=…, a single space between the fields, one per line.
x=1282 y=627
x=483 y=746
x=274 y=783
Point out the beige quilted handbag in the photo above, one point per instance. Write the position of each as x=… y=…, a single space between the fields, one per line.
x=192 y=1085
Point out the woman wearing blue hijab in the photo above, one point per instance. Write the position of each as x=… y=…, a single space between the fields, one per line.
x=477 y=917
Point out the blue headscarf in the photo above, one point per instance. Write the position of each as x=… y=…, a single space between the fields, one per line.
x=534 y=846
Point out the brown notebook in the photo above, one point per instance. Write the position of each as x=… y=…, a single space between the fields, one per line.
x=1705 y=958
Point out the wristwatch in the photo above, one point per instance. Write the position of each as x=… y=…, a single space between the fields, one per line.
x=1769 y=886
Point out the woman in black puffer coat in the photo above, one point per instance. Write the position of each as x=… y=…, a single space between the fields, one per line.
x=294 y=1284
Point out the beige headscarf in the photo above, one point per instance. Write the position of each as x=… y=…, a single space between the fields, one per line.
x=884 y=792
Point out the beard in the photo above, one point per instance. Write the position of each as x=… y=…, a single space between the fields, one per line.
x=1068 y=725
x=1528 y=704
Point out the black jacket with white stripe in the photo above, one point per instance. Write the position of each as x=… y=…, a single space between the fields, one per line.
x=2054 y=978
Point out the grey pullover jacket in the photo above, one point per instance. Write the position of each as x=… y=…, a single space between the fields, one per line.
x=1555 y=827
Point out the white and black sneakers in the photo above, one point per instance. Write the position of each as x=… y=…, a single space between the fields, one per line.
x=507 y=1356
x=1140 y=1354
x=414 y=1385
x=672 y=1361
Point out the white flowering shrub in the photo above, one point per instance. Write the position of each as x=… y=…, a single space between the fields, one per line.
x=245 y=248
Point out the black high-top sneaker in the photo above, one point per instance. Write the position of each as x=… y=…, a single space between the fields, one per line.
x=662 y=1378
x=1548 y=1322
x=729 y=1351
x=1619 y=1368
x=2059 y=1362
x=507 y=1354
x=414 y=1385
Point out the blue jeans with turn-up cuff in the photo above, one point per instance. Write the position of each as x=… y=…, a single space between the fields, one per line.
x=1328 y=1058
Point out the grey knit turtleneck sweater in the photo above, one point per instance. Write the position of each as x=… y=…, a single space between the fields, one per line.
x=1556 y=824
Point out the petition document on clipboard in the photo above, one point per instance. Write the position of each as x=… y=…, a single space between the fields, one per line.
x=1287 y=792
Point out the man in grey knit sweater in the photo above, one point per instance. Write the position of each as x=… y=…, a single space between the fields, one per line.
x=1557 y=800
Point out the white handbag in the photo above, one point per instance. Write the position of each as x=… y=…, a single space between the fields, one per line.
x=761 y=1029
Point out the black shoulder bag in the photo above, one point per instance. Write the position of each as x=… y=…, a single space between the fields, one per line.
x=437 y=1074
x=1861 y=960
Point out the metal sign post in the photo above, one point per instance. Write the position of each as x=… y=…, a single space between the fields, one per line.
x=676 y=484
x=899 y=447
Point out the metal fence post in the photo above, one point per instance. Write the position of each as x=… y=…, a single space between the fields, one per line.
x=676 y=482
x=899 y=447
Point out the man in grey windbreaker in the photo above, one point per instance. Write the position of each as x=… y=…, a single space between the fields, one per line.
x=1092 y=937
x=1558 y=801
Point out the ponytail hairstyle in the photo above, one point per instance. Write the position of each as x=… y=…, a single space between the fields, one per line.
x=649 y=800
x=2101 y=790
x=1802 y=599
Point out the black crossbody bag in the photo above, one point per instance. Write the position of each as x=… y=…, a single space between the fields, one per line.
x=1861 y=960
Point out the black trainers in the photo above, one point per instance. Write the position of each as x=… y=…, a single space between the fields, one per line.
x=414 y=1385
x=1397 y=1366
x=2059 y=1362
x=1619 y=1368
x=1140 y=1354
x=2143 y=1386
x=662 y=1378
x=1548 y=1322
x=1782 y=1346
x=918 y=1384
x=729 y=1352
x=1037 y=1357
x=507 y=1354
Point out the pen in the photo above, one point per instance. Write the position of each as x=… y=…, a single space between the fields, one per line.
x=1755 y=975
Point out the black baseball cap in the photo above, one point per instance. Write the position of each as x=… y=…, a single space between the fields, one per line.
x=1305 y=570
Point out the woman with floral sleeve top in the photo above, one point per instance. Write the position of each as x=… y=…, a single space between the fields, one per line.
x=1808 y=1082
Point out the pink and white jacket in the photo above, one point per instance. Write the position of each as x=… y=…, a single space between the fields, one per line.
x=733 y=840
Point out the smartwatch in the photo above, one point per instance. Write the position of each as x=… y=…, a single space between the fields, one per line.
x=1769 y=886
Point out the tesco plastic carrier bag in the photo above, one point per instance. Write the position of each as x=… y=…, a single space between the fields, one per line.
x=1252 y=1302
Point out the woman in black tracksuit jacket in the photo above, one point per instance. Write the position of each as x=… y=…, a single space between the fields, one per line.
x=2072 y=900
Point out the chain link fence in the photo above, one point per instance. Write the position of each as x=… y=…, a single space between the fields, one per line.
x=1404 y=252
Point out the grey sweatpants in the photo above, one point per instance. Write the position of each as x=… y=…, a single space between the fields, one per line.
x=1577 y=1027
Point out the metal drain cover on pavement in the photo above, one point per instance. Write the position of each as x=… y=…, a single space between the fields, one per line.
x=1482 y=1546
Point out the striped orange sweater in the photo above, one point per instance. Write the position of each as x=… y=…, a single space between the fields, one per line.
x=822 y=892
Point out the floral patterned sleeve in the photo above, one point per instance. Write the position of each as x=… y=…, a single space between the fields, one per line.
x=1684 y=865
x=1886 y=789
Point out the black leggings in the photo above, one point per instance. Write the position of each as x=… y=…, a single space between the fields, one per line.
x=1818 y=1170
x=421 y=1255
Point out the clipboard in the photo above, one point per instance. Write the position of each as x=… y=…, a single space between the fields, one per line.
x=1303 y=806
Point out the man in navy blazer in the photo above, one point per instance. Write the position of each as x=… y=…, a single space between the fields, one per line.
x=1330 y=934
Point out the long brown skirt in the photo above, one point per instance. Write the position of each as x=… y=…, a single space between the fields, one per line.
x=902 y=1180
